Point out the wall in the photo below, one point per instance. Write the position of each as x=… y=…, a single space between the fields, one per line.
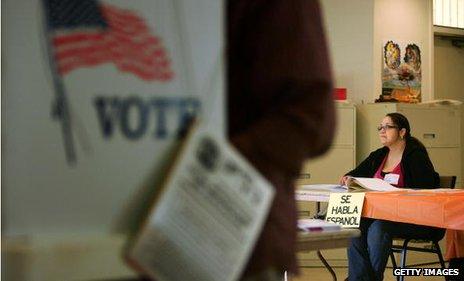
x=448 y=72
x=449 y=68
x=410 y=21
x=356 y=31
x=349 y=26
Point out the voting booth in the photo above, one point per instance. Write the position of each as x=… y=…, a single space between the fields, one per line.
x=96 y=95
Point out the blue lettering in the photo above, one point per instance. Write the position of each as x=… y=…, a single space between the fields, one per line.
x=107 y=111
x=141 y=112
x=131 y=115
x=160 y=106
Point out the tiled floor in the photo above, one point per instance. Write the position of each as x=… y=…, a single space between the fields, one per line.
x=320 y=273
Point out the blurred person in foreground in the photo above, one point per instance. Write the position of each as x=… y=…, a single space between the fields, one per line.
x=402 y=161
x=280 y=110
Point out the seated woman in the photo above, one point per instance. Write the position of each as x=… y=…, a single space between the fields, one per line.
x=403 y=161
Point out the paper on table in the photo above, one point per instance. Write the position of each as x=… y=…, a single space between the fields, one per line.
x=317 y=225
x=325 y=187
x=375 y=184
x=317 y=196
x=317 y=192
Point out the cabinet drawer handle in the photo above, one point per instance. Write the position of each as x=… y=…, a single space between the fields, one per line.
x=305 y=176
x=429 y=136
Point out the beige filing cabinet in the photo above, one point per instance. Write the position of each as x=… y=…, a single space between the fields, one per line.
x=438 y=127
x=341 y=157
x=337 y=161
x=328 y=169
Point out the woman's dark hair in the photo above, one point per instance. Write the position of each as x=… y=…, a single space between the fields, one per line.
x=402 y=122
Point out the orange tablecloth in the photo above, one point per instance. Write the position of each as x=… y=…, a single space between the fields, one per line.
x=454 y=244
x=440 y=208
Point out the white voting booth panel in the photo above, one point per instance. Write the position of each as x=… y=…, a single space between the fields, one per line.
x=66 y=219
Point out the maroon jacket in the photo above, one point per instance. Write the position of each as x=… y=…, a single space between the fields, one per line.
x=280 y=106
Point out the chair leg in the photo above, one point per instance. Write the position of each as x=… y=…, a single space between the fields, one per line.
x=440 y=256
x=402 y=263
x=392 y=257
x=403 y=258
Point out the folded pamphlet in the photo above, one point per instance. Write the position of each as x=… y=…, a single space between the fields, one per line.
x=375 y=184
x=207 y=216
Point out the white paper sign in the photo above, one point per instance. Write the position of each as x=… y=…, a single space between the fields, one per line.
x=345 y=209
x=209 y=216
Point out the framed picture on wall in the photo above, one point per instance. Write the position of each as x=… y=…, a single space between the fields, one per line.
x=401 y=72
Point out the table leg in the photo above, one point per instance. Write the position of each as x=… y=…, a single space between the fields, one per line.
x=327 y=265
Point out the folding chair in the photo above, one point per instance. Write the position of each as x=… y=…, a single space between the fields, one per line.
x=431 y=246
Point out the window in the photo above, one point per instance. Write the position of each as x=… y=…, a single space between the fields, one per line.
x=449 y=13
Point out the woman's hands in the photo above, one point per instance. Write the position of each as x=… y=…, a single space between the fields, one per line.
x=344 y=180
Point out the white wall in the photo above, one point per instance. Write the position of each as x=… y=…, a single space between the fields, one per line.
x=356 y=32
x=409 y=21
x=349 y=26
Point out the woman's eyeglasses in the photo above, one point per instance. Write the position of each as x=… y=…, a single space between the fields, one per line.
x=386 y=127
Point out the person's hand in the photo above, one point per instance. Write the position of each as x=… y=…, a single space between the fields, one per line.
x=343 y=180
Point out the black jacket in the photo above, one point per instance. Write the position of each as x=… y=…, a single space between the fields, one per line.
x=416 y=166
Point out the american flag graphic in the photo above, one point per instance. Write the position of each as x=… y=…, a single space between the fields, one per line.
x=86 y=33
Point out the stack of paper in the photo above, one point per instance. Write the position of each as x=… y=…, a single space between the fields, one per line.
x=311 y=225
x=317 y=192
x=323 y=187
